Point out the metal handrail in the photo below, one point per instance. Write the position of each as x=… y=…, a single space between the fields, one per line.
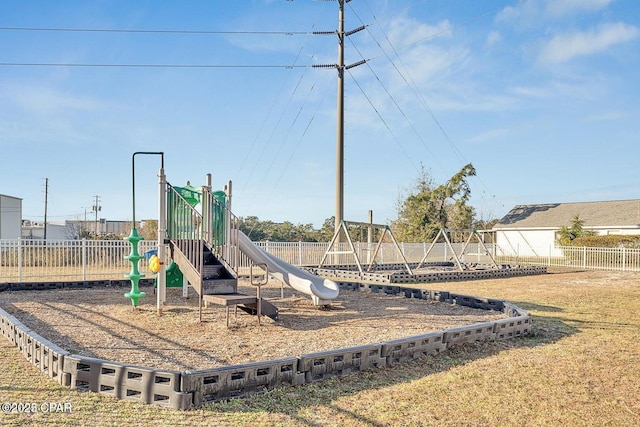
x=259 y=285
x=221 y=228
x=216 y=226
x=183 y=229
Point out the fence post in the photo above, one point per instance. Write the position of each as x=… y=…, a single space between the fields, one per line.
x=20 y=259
x=624 y=258
x=299 y=252
x=584 y=257
x=84 y=259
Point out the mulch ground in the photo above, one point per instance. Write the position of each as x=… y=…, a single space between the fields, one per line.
x=101 y=323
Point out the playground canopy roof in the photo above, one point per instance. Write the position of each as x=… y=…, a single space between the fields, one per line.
x=191 y=194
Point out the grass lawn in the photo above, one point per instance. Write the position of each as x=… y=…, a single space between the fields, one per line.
x=579 y=367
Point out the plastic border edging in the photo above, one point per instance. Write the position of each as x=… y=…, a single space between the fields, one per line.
x=192 y=389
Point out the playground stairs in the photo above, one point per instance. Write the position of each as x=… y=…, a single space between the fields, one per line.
x=216 y=284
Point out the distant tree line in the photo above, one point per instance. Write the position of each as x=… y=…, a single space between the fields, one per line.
x=261 y=231
x=423 y=210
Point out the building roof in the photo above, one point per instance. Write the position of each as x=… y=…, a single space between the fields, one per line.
x=11 y=197
x=617 y=213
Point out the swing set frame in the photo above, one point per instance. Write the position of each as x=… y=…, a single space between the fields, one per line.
x=343 y=228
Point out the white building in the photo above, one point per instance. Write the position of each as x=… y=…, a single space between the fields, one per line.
x=10 y=217
x=533 y=229
x=34 y=230
x=72 y=230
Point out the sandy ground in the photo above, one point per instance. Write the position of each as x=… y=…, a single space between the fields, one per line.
x=102 y=323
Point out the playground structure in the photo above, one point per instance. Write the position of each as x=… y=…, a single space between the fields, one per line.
x=204 y=248
x=342 y=233
x=205 y=245
x=350 y=266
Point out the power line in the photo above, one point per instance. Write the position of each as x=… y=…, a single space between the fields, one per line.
x=117 y=30
x=264 y=121
x=88 y=65
x=135 y=31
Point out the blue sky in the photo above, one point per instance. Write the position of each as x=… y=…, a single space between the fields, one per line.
x=541 y=96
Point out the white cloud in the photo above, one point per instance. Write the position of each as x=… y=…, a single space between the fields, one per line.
x=611 y=115
x=475 y=99
x=40 y=114
x=425 y=63
x=489 y=136
x=493 y=38
x=516 y=15
x=564 y=47
x=529 y=14
x=45 y=100
x=404 y=31
x=556 y=8
x=576 y=87
x=423 y=60
x=424 y=57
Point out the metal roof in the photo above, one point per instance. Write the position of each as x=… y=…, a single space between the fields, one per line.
x=11 y=197
x=617 y=213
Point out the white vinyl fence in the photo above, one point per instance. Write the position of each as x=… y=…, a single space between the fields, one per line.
x=614 y=259
x=74 y=260
x=66 y=260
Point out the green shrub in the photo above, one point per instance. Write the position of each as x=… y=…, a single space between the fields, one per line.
x=610 y=241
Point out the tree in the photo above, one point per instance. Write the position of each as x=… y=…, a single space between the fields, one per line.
x=271 y=231
x=253 y=228
x=287 y=232
x=416 y=211
x=149 y=229
x=568 y=233
x=430 y=208
x=486 y=225
x=325 y=234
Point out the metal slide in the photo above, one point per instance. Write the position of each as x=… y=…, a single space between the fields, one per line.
x=322 y=291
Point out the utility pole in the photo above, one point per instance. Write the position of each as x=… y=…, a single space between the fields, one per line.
x=341 y=68
x=96 y=208
x=46 y=202
x=84 y=227
x=339 y=214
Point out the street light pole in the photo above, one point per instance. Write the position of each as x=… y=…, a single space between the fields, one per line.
x=96 y=207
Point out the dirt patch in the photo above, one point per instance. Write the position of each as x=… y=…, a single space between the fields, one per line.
x=101 y=323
